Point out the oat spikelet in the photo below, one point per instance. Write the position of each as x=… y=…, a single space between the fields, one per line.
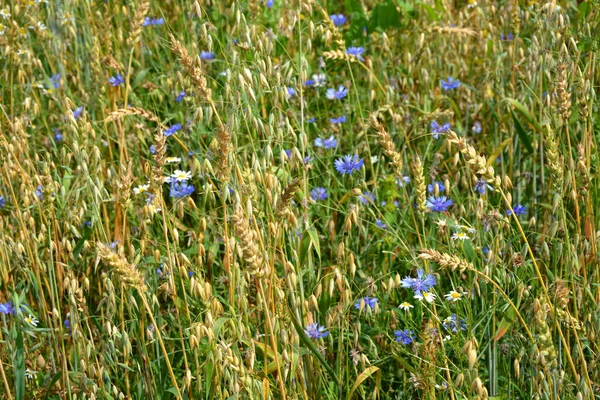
x=418 y=178
x=129 y=274
x=195 y=73
x=478 y=162
x=445 y=260
x=339 y=55
x=286 y=198
x=385 y=140
x=122 y=112
x=138 y=20
x=248 y=241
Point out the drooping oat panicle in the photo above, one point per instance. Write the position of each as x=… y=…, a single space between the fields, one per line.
x=445 y=260
x=286 y=198
x=248 y=241
x=385 y=140
x=554 y=160
x=478 y=162
x=420 y=188
x=141 y=10
x=129 y=274
x=193 y=70
x=122 y=112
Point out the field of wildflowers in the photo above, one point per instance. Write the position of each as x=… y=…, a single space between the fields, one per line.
x=303 y=199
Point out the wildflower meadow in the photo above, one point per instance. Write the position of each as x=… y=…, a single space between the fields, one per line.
x=299 y=199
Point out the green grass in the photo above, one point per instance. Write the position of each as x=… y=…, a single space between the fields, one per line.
x=110 y=289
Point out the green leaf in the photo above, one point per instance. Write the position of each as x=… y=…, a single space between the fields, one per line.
x=384 y=16
x=522 y=134
x=525 y=112
x=314 y=239
x=19 y=365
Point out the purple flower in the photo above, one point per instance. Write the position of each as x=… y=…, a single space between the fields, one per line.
x=507 y=37
x=67 y=323
x=431 y=187
x=6 y=308
x=348 y=164
x=77 y=112
x=519 y=210
x=366 y=197
x=315 y=331
x=405 y=337
x=476 y=128
x=181 y=189
x=369 y=301
x=339 y=120
x=330 y=143
x=116 y=80
x=39 y=192
x=291 y=91
x=400 y=182
x=172 y=130
x=450 y=84
x=438 y=204
x=309 y=82
x=319 y=194
x=453 y=324
x=58 y=136
x=152 y=149
x=180 y=96
x=270 y=3
x=311 y=120
x=2 y=201
x=338 y=94
x=55 y=79
x=338 y=19
x=207 y=55
x=380 y=224
x=437 y=128
x=148 y=21
x=356 y=52
x=190 y=273
x=422 y=283
x=481 y=186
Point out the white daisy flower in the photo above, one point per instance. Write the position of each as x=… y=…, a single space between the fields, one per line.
x=141 y=189
x=453 y=296
x=460 y=236
x=427 y=296
x=172 y=159
x=181 y=176
x=30 y=374
x=31 y=320
x=406 y=306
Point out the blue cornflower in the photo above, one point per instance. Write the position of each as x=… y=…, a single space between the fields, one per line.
x=147 y=21
x=437 y=128
x=450 y=84
x=55 y=79
x=6 y=308
x=116 y=80
x=405 y=337
x=172 y=130
x=58 y=136
x=438 y=204
x=348 y=164
x=315 y=331
x=330 y=143
x=356 y=52
x=422 y=283
x=181 y=189
x=338 y=19
x=431 y=187
x=380 y=224
x=311 y=120
x=481 y=186
x=291 y=91
x=180 y=96
x=87 y=223
x=77 y=112
x=113 y=245
x=319 y=194
x=39 y=192
x=339 y=120
x=338 y=94
x=476 y=128
x=2 y=201
x=519 y=210
x=453 y=324
x=190 y=273
x=67 y=323
x=207 y=55
x=507 y=37
x=366 y=197
x=370 y=302
x=485 y=250
x=400 y=182
x=152 y=149
x=270 y=3
x=309 y=82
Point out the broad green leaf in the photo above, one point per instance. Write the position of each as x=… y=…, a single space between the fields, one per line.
x=525 y=139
